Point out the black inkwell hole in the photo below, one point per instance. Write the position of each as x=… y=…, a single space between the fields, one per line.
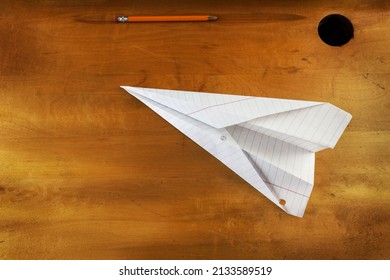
x=335 y=30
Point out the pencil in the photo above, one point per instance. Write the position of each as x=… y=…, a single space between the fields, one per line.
x=125 y=19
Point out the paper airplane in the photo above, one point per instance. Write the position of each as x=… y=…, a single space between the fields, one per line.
x=268 y=142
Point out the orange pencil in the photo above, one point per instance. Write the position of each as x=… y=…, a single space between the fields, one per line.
x=125 y=19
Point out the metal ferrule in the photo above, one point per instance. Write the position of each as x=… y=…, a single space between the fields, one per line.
x=122 y=19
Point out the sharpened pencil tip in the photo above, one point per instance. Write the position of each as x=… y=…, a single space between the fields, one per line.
x=213 y=18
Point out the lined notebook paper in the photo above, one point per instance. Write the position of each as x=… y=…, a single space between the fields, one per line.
x=268 y=142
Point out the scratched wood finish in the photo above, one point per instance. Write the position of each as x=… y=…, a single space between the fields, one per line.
x=88 y=172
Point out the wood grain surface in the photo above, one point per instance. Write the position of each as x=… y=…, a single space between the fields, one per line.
x=89 y=172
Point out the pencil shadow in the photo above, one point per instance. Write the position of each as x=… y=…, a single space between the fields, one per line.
x=93 y=21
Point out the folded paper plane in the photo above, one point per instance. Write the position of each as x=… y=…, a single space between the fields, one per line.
x=268 y=142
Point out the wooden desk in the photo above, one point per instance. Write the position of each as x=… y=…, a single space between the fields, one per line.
x=88 y=172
